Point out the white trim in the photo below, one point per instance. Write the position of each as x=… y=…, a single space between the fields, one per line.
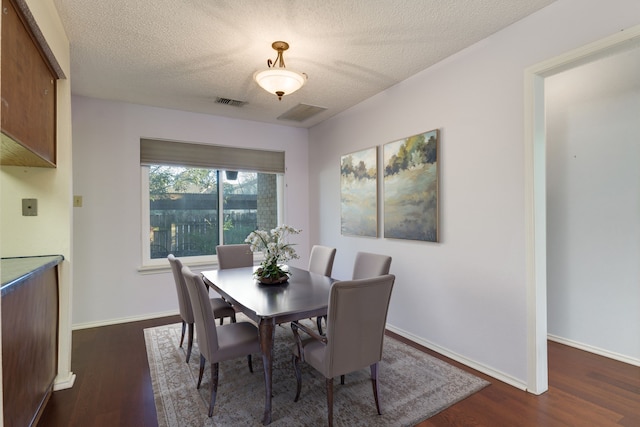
x=195 y=263
x=162 y=265
x=535 y=193
x=65 y=338
x=110 y=322
x=220 y=193
x=501 y=376
x=535 y=235
x=64 y=383
x=595 y=350
x=145 y=211
x=280 y=195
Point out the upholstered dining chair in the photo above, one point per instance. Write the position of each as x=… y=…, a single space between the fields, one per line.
x=220 y=307
x=234 y=256
x=366 y=265
x=321 y=262
x=356 y=319
x=217 y=343
x=370 y=265
x=321 y=259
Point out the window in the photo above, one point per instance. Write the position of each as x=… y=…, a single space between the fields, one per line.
x=188 y=209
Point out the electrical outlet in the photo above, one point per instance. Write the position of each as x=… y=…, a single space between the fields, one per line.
x=29 y=207
x=77 y=201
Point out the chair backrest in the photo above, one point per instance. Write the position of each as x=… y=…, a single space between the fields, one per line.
x=202 y=314
x=181 y=288
x=356 y=320
x=321 y=260
x=234 y=256
x=370 y=265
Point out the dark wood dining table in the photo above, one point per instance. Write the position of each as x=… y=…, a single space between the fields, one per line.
x=304 y=295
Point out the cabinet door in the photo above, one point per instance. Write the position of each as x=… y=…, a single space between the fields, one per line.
x=28 y=88
x=29 y=346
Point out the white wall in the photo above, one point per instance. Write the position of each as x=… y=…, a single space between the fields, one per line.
x=49 y=232
x=465 y=296
x=593 y=194
x=107 y=229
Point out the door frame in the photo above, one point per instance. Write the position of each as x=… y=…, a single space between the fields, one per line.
x=535 y=191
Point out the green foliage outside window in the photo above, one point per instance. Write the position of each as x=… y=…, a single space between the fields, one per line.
x=185 y=214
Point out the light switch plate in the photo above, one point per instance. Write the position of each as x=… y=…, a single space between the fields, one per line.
x=29 y=207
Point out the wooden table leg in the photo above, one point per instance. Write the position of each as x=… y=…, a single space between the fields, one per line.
x=267 y=335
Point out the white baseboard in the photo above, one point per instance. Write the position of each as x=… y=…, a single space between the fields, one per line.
x=123 y=320
x=64 y=383
x=595 y=350
x=501 y=376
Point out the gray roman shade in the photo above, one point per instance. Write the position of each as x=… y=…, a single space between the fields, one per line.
x=158 y=151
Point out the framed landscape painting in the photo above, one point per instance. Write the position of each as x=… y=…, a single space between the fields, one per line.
x=358 y=193
x=411 y=187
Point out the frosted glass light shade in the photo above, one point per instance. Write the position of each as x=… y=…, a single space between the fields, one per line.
x=280 y=81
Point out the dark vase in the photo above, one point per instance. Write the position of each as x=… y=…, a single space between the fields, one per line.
x=273 y=281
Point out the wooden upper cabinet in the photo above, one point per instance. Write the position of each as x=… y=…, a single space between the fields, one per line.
x=28 y=90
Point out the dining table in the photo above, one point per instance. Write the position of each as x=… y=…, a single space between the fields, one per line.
x=304 y=295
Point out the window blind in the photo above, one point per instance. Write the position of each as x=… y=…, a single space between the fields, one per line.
x=165 y=152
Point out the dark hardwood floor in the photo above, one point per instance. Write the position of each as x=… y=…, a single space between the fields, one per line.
x=113 y=388
x=584 y=390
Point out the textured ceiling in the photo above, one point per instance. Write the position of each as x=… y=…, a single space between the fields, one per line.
x=185 y=54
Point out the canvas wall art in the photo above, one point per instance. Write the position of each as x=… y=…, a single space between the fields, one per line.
x=358 y=193
x=411 y=187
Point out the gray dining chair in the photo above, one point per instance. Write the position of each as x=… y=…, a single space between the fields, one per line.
x=321 y=262
x=356 y=319
x=368 y=265
x=234 y=256
x=217 y=343
x=220 y=307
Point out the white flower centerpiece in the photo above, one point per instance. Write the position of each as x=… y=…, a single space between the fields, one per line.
x=276 y=249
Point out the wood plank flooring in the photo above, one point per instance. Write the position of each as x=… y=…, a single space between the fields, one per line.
x=584 y=390
x=113 y=388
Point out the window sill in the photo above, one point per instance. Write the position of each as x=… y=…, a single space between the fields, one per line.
x=157 y=269
x=196 y=265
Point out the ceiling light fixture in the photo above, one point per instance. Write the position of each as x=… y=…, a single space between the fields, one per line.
x=278 y=80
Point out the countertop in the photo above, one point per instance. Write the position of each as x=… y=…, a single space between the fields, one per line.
x=14 y=270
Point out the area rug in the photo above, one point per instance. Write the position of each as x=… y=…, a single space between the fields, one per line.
x=413 y=387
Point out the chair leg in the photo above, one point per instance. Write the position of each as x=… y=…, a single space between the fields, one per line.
x=319 y=323
x=374 y=384
x=184 y=327
x=214 y=387
x=190 y=342
x=296 y=369
x=250 y=363
x=202 y=360
x=329 y=382
x=221 y=321
x=233 y=317
x=341 y=379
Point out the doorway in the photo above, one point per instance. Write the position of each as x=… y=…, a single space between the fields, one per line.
x=535 y=192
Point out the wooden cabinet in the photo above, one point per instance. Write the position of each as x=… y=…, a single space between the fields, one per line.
x=29 y=337
x=28 y=90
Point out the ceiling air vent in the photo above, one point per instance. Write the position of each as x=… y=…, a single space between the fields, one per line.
x=231 y=102
x=301 y=112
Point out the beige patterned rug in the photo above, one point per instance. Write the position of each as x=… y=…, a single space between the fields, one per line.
x=413 y=387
